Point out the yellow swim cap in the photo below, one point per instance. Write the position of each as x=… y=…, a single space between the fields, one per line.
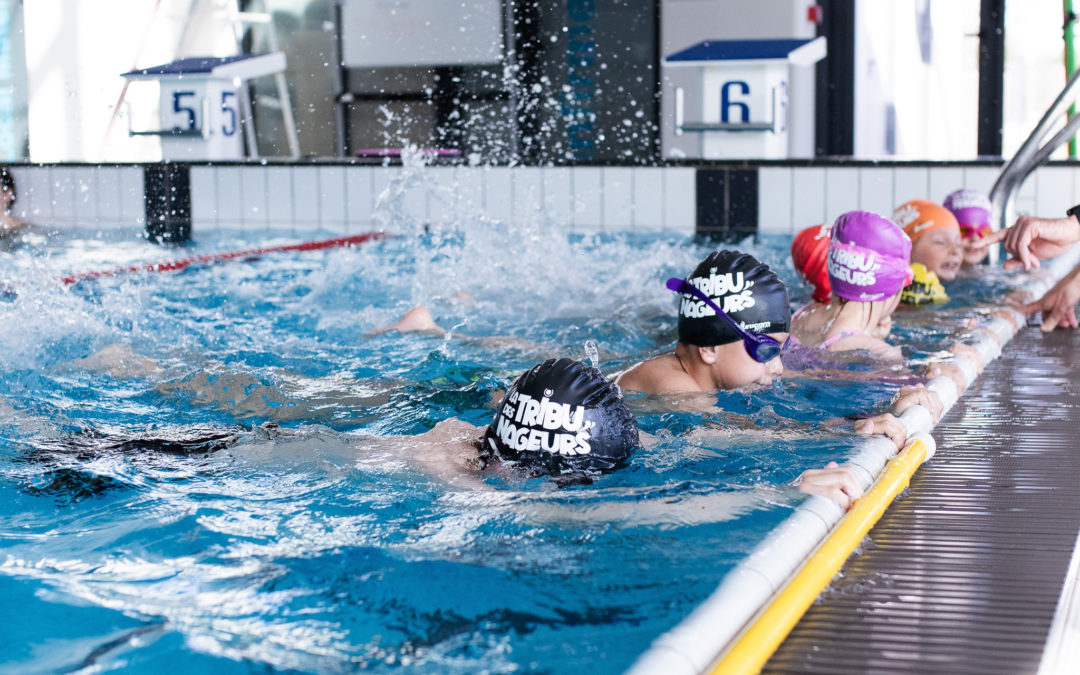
x=924 y=288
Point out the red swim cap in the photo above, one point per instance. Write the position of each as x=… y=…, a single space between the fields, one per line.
x=809 y=253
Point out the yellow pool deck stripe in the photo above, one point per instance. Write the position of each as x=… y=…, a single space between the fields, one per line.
x=758 y=642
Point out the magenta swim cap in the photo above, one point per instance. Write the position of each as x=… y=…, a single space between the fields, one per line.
x=869 y=257
x=969 y=207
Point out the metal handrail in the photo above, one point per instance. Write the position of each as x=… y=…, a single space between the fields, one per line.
x=1031 y=155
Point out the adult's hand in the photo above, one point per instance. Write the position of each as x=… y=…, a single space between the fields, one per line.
x=1033 y=239
x=1058 y=306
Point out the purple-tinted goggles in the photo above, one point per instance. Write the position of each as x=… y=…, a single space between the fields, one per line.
x=761 y=348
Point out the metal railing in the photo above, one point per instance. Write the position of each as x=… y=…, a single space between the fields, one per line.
x=1032 y=155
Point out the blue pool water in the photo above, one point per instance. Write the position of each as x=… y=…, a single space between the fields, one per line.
x=129 y=540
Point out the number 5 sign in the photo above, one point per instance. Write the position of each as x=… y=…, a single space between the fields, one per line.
x=200 y=119
x=200 y=111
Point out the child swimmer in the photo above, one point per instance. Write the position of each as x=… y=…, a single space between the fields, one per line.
x=937 y=249
x=868 y=266
x=972 y=211
x=561 y=418
x=713 y=353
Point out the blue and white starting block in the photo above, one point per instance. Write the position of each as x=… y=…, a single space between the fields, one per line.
x=732 y=96
x=204 y=104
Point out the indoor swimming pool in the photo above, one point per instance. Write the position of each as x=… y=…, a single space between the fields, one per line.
x=194 y=468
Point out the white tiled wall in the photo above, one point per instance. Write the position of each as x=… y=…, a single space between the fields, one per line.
x=558 y=195
x=359 y=198
x=1053 y=190
x=253 y=197
x=279 y=202
x=333 y=199
x=98 y=197
x=587 y=198
x=790 y=199
x=345 y=199
x=774 y=212
x=807 y=198
x=618 y=195
x=648 y=192
x=680 y=208
x=841 y=184
x=528 y=197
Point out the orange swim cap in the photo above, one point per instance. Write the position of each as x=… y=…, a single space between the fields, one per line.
x=809 y=253
x=919 y=216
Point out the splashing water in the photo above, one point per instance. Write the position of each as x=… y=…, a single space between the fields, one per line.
x=592 y=353
x=299 y=536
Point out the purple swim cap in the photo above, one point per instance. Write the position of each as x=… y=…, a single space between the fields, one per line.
x=869 y=257
x=969 y=207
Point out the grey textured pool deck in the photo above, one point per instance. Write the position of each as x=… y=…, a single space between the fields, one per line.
x=964 y=571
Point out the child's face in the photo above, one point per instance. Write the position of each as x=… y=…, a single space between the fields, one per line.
x=941 y=250
x=738 y=369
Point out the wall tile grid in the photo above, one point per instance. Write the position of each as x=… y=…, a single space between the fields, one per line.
x=204 y=198
x=1054 y=191
x=618 y=195
x=876 y=192
x=332 y=199
x=679 y=200
x=471 y=189
x=558 y=196
x=776 y=211
x=498 y=193
x=793 y=198
x=443 y=207
x=93 y=197
x=336 y=200
x=842 y=189
x=528 y=196
x=279 y=202
x=587 y=210
x=230 y=211
x=808 y=201
x=254 y=214
x=359 y=198
x=648 y=194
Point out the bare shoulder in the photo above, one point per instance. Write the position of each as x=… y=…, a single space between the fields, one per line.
x=647 y=377
x=451 y=430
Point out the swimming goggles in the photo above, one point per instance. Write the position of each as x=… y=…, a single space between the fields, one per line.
x=974 y=231
x=761 y=348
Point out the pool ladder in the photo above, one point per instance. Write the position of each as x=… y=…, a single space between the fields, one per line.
x=1032 y=155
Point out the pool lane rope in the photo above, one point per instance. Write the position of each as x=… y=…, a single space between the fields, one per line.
x=225 y=256
x=739 y=626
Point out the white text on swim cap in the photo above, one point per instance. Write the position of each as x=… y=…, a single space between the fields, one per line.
x=696 y=309
x=716 y=285
x=526 y=423
x=854 y=267
x=969 y=199
x=730 y=290
x=905 y=215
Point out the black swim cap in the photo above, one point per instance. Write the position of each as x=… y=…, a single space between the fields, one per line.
x=562 y=416
x=744 y=288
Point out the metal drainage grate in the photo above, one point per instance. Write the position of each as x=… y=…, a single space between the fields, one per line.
x=963 y=573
